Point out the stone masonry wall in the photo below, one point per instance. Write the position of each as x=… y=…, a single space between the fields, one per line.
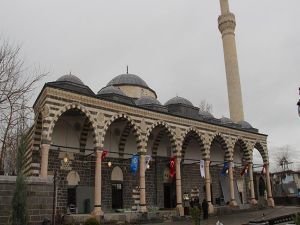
x=39 y=199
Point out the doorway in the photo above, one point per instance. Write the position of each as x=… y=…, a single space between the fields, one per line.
x=169 y=195
x=117 y=188
x=117 y=196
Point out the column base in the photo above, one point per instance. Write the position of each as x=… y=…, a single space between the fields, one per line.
x=211 y=209
x=180 y=210
x=271 y=202
x=233 y=203
x=253 y=201
x=98 y=212
x=143 y=209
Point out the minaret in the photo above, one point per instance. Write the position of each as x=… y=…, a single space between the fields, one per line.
x=227 y=26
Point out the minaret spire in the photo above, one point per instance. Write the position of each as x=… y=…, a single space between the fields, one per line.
x=227 y=26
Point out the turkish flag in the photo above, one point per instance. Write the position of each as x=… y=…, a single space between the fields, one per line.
x=172 y=167
x=104 y=154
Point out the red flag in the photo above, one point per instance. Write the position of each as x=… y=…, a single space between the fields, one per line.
x=172 y=167
x=104 y=154
x=245 y=169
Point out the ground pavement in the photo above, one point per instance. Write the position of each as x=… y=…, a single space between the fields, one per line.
x=244 y=217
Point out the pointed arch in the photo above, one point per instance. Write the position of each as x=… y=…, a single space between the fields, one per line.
x=219 y=138
x=167 y=129
x=190 y=134
x=262 y=151
x=246 y=151
x=130 y=123
x=82 y=110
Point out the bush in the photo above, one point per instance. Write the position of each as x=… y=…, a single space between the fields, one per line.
x=91 y=221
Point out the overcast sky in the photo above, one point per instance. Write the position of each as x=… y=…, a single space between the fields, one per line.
x=175 y=46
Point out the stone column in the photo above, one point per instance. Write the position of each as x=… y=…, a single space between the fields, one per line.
x=269 y=189
x=231 y=185
x=98 y=181
x=252 y=193
x=143 y=206
x=45 y=146
x=178 y=187
x=227 y=26
x=207 y=187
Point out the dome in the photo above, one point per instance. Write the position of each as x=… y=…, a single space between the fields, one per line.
x=130 y=79
x=225 y=120
x=110 y=90
x=205 y=114
x=178 y=100
x=70 y=78
x=245 y=124
x=147 y=100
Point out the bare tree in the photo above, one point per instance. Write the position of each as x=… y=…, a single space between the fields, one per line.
x=283 y=157
x=16 y=86
x=205 y=106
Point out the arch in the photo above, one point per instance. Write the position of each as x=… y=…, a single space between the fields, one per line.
x=169 y=131
x=130 y=123
x=246 y=151
x=84 y=134
x=188 y=136
x=116 y=174
x=262 y=152
x=219 y=138
x=261 y=186
x=123 y=138
x=81 y=109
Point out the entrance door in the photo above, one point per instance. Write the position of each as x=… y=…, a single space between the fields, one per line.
x=117 y=196
x=169 y=195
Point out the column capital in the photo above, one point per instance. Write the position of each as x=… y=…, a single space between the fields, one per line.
x=45 y=142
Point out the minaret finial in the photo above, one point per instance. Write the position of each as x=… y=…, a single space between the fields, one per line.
x=127 y=69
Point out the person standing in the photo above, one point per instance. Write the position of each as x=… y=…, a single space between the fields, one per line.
x=205 y=209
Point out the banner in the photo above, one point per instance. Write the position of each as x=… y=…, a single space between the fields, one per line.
x=134 y=163
x=104 y=154
x=225 y=168
x=172 y=167
x=245 y=170
x=202 y=169
x=148 y=158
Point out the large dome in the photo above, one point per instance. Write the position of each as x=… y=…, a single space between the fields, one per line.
x=128 y=79
x=147 y=100
x=70 y=78
x=178 y=100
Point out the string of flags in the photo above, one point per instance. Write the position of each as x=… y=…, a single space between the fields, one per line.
x=135 y=164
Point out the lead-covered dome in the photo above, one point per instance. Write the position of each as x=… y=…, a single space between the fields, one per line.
x=132 y=85
x=128 y=79
x=147 y=100
x=178 y=100
x=245 y=124
x=205 y=114
x=70 y=78
x=225 y=120
x=110 y=90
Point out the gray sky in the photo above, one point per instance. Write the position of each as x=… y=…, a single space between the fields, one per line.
x=175 y=46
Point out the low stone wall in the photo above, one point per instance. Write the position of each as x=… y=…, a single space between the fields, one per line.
x=39 y=198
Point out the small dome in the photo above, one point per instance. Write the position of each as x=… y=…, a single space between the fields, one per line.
x=205 y=114
x=178 y=100
x=245 y=124
x=110 y=90
x=147 y=100
x=225 y=120
x=130 y=79
x=70 y=78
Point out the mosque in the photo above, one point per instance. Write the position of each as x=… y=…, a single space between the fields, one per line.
x=123 y=149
